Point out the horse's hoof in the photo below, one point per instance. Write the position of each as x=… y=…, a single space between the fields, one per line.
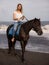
x=8 y=52
x=13 y=53
x=22 y=59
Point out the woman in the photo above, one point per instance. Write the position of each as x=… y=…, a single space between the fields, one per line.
x=17 y=17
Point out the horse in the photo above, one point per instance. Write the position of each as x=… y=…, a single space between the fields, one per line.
x=23 y=36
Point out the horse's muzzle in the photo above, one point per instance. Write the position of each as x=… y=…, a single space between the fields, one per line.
x=40 y=33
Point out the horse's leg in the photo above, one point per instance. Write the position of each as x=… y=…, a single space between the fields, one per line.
x=9 y=45
x=23 y=50
x=25 y=42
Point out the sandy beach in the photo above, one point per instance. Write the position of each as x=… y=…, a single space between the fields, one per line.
x=31 y=58
x=37 y=51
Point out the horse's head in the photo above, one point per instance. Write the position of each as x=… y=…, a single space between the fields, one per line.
x=37 y=26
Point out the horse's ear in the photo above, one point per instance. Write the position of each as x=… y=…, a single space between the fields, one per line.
x=35 y=18
x=39 y=19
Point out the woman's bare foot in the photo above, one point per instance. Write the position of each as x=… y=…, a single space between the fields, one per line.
x=12 y=39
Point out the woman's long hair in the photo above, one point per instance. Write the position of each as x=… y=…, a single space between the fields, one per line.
x=18 y=6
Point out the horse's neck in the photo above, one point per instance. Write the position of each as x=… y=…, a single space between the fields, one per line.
x=28 y=26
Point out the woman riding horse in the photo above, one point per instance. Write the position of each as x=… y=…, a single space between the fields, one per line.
x=17 y=16
x=23 y=34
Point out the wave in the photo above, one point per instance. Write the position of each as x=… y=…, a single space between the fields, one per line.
x=3 y=29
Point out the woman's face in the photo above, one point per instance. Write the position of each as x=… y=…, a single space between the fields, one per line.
x=19 y=7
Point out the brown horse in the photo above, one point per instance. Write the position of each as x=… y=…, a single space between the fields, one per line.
x=24 y=34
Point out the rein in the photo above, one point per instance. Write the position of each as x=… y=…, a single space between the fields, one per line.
x=26 y=19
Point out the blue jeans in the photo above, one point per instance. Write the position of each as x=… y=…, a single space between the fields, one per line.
x=16 y=26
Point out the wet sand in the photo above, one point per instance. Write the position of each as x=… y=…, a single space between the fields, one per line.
x=31 y=58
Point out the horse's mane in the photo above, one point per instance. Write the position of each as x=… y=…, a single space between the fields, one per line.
x=35 y=20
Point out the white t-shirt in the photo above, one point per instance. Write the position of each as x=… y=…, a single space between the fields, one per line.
x=18 y=15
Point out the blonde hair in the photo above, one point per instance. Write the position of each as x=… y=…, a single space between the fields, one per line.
x=18 y=6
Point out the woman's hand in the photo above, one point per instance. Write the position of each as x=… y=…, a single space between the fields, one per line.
x=22 y=17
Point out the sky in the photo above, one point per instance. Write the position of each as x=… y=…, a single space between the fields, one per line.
x=31 y=9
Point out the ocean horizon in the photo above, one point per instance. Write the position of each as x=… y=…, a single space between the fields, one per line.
x=11 y=22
